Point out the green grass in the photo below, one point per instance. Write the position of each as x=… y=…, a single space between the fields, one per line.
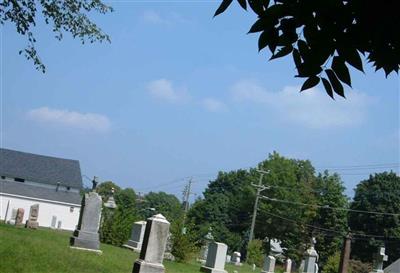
x=47 y=251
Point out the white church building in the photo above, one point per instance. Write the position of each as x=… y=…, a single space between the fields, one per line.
x=53 y=183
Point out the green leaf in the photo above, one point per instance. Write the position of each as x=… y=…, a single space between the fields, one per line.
x=263 y=40
x=303 y=49
x=310 y=83
x=224 y=5
x=328 y=87
x=258 y=26
x=296 y=57
x=341 y=70
x=337 y=86
x=282 y=52
x=243 y=4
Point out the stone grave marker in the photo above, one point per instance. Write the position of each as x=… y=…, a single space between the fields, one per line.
x=269 y=264
x=236 y=258
x=168 y=249
x=13 y=217
x=379 y=258
x=204 y=248
x=20 y=217
x=53 y=222
x=288 y=265
x=228 y=258
x=86 y=236
x=215 y=262
x=137 y=234
x=153 y=247
x=33 y=217
x=59 y=224
x=311 y=259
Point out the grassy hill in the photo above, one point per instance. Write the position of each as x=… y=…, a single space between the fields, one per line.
x=47 y=251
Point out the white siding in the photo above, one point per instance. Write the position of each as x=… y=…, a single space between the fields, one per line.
x=47 y=209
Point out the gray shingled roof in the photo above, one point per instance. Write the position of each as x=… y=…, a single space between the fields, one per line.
x=40 y=168
x=24 y=189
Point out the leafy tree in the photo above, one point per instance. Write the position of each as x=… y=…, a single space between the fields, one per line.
x=327 y=36
x=183 y=244
x=255 y=253
x=381 y=193
x=330 y=192
x=164 y=203
x=332 y=264
x=64 y=16
x=105 y=189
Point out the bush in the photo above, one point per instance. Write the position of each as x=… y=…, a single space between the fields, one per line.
x=183 y=245
x=332 y=264
x=116 y=226
x=357 y=266
x=255 y=254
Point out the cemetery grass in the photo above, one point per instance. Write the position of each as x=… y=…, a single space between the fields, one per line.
x=47 y=251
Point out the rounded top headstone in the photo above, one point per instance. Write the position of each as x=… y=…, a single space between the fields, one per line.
x=159 y=218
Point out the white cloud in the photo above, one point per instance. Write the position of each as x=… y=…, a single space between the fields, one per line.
x=87 y=121
x=213 y=105
x=312 y=108
x=163 y=89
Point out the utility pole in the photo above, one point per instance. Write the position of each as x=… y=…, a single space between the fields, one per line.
x=186 y=194
x=260 y=188
x=345 y=255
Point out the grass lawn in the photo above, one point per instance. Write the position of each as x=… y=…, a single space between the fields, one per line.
x=47 y=251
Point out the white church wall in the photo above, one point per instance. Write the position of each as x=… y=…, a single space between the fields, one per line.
x=68 y=214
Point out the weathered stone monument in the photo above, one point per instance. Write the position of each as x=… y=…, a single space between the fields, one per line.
x=33 y=217
x=111 y=202
x=86 y=236
x=153 y=247
x=269 y=264
x=379 y=258
x=168 y=249
x=228 y=258
x=311 y=259
x=204 y=248
x=236 y=258
x=53 y=222
x=215 y=262
x=20 y=217
x=288 y=265
x=137 y=234
x=13 y=217
x=59 y=225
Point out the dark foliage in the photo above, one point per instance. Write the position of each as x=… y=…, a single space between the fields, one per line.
x=325 y=37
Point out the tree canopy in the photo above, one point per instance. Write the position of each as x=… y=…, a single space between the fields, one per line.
x=63 y=16
x=325 y=37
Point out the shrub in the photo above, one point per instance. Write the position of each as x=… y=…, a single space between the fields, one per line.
x=183 y=245
x=332 y=264
x=357 y=266
x=255 y=254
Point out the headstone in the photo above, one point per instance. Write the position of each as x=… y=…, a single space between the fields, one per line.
x=86 y=236
x=288 y=266
x=20 y=217
x=59 y=224
x=53 y=222
x=228 y=258
x=269 y=264
x=393 y=268
x=204 y=248
x=111 y=202
x=168 y=249
x=236 y=258
x=153 y=247
x=137 y=233
x=215 y=262
x=253 y=267
x=33 y=217
x=311 y=258
x=301 y=267
x=13 y=217
x=379 y=258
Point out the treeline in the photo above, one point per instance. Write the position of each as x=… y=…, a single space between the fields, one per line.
x=300 y=204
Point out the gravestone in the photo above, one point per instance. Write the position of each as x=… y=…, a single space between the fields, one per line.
x=236 y=258
x=168 y=249
x=13 y=217
x=153 y=247
x=311 y=259
x=137 y=233
x=20 y=217
x=204 y=248
x=288 y=266
x=53 y=222
x=59 y=224
x=33 y=217
x=379 y=258
x=393 y=268
x=301 y=267
x=269 y=264
x=215 y=262
x=111 y=202
x=253 y=267
x=228 y=258
x=86 y=236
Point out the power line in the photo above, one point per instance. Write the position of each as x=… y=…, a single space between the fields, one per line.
x=328 y=207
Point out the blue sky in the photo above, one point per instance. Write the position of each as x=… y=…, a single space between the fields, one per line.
x=178 y=94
